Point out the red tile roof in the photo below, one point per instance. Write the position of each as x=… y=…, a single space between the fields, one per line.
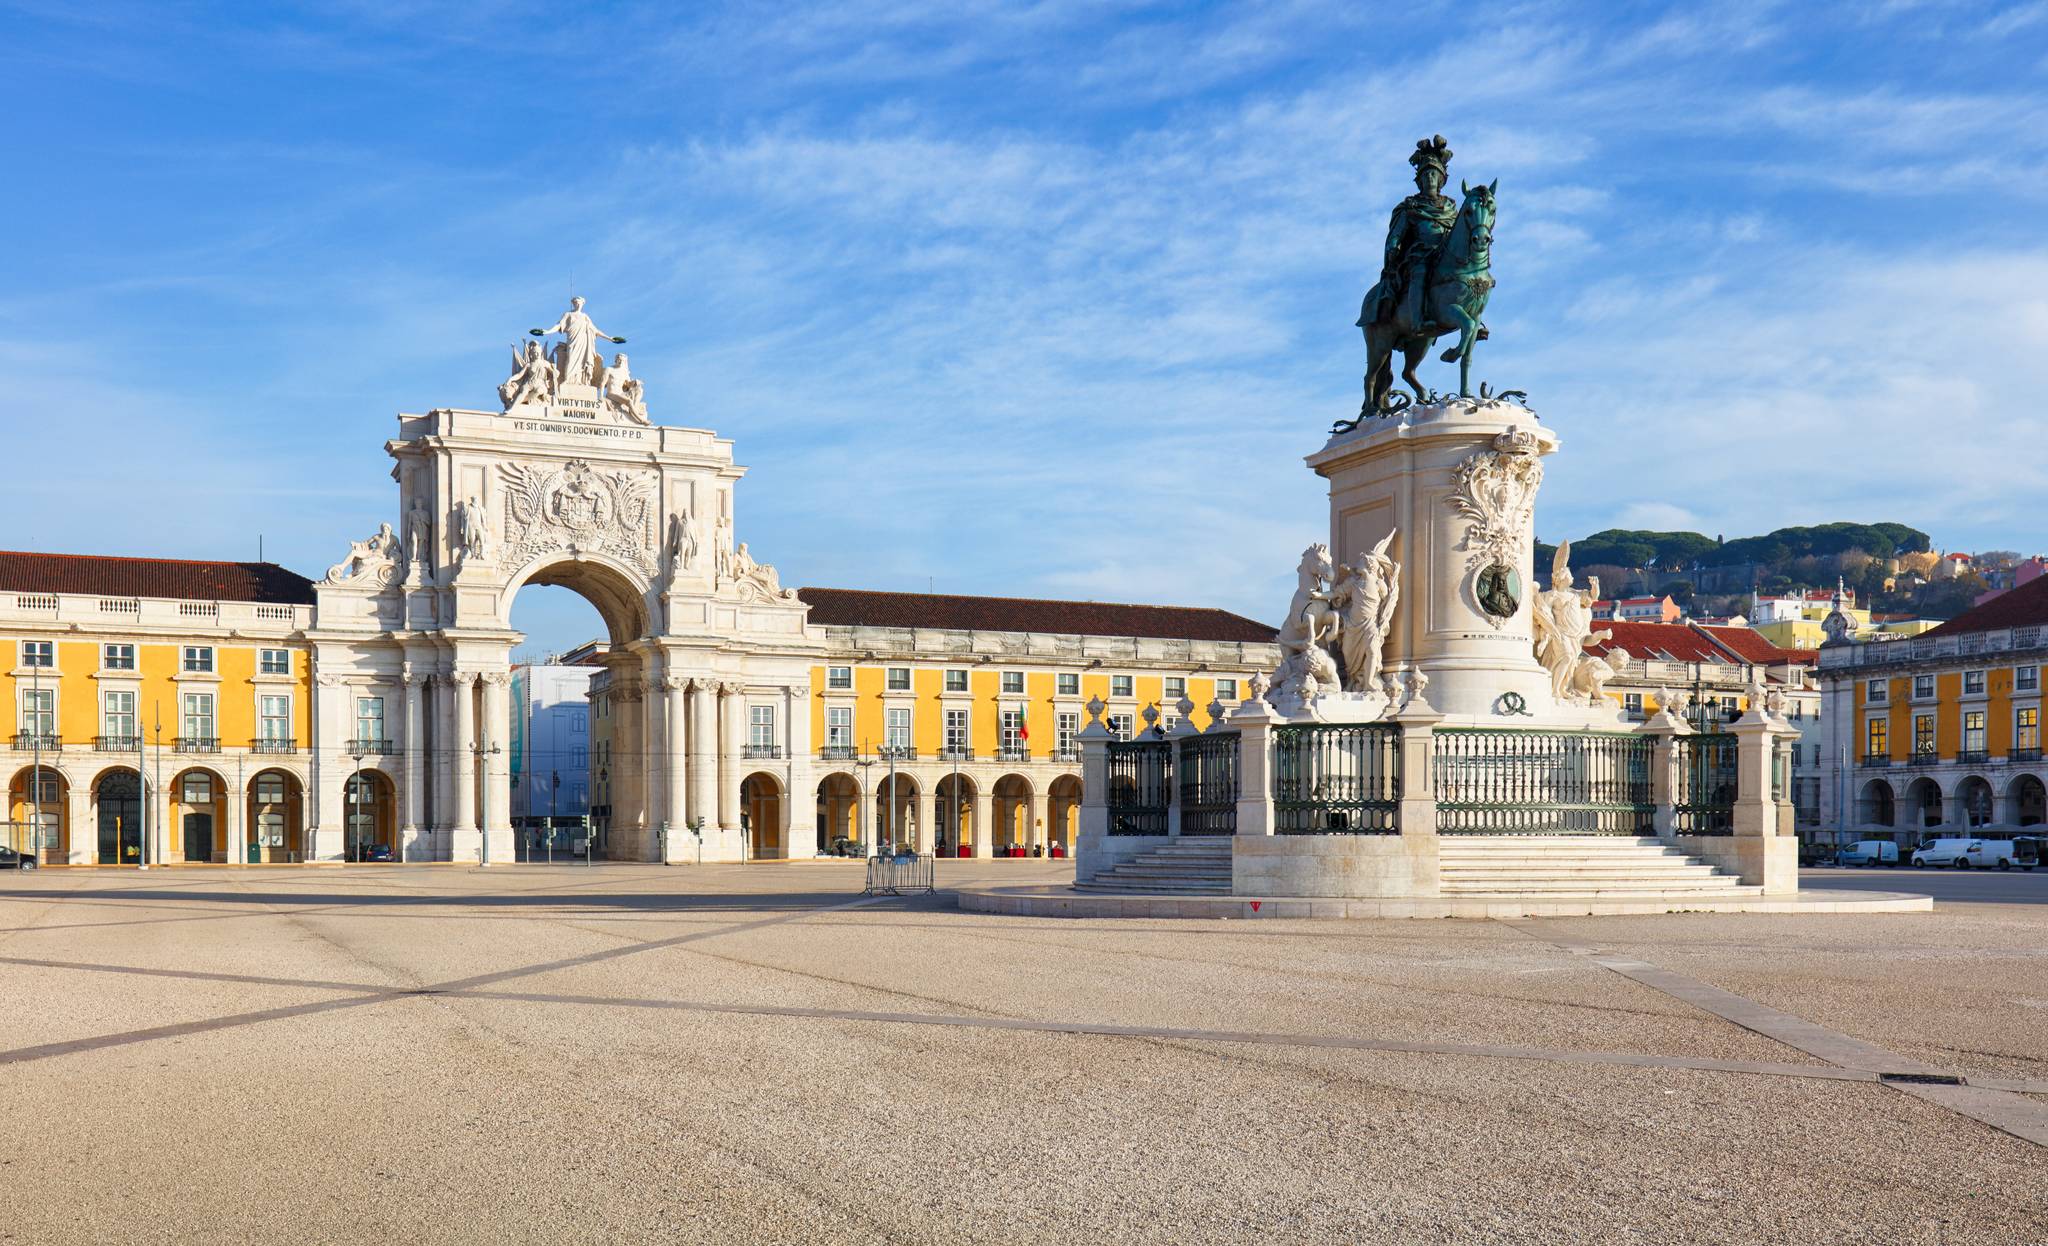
x=2025 y=606
x=849 y=607
x=94 y=575
x=1692 y=642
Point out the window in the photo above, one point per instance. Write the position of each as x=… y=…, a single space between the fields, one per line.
x=1923 y=735
x=1973 y=731
x=1226 y=690
x=1168 y=723
x=1066 y=733
x=2026 y=728
x=270 y=789
x=198 y=723
x=579 y=757
x=1923 y=686
x=1973 y=682
x=370 y=719
x=579 y=723
x=1120 y=685
x=2026 y=678
x=839 y=727
x=117 y=715
x=197 y=790
x=1875 y=691
x=199 y=659
x=839 y=677
x=1876 y=738
x=117 y=657
x=1120 y=726
x=896 y=729
x=1632 y=704
x=1013 y=682
x=274 y=661
x=39 y=711
x=956 y=732
x=899 y=679
x=1069 y=685
x=761 y=726
x=956 y=681
x=1176 y=688
x=1013 y=731
x=273 y=718
x=39 y=653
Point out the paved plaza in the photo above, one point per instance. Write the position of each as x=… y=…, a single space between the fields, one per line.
x=633 y=1053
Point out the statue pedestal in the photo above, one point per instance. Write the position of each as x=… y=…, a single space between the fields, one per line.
x=1456 y=481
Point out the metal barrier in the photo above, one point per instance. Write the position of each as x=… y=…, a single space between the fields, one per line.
x=1207 y=767
x=1501 y=781
x=1140 y=778
x=1336 y=779
x=900 y=876
x=1703 y=797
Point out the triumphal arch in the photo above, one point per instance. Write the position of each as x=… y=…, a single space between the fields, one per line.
x=571 y=482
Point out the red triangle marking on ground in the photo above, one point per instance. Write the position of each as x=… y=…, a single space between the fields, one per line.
x=1255 y=906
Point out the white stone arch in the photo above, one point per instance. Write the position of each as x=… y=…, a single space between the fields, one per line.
x=1974 y=801
x=2025 y=801
x=624 y=596
x=1877 y=804
x=1924 y=807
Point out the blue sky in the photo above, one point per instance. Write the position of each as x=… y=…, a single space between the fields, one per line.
x=1033 y=299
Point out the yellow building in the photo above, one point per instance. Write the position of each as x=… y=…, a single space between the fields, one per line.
x=951 y=723
x=192 y=675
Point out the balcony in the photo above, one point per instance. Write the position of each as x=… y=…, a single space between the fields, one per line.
x=273 y=746
x=1875 y=763
x=1065 y=756
x=898 y=752
x=369 y=748
x=116 y=743
x=956 y=754
x=836 y=752
x=1972 y=757
x=31 y=742
x=764 y=752
x=2023 y=756
x=198 y=744
x=1014 y=754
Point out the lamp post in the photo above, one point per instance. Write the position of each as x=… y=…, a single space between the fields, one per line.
x=35 y=677
x=351 y=808
x=480 y=751
x=554 y=786
x=862 y=760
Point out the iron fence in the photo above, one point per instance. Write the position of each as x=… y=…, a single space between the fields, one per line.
x=1502 y=781
x=1337 y=779
x=904 y=875
x=1703 y=796
x=1207 y=767
x=1140 y=778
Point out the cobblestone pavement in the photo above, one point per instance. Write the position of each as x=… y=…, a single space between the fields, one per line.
x=627 y=1053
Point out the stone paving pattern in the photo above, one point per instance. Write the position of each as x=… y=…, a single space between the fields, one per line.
x=752 y=1053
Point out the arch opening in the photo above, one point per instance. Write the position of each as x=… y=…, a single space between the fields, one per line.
x=38 y=814
x=953 y=821
x=839 y=820
x=761 y=805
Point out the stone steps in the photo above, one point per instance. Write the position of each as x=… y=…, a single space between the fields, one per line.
x=1589 y=866
x=1197 y=867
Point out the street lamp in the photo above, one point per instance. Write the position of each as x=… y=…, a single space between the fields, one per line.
x=353 y=806
x=862 y=761
x=480 y=751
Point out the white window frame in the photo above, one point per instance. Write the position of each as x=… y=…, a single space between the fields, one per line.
x=369 y=716
x=1010 y=731
x=1226 y=690
x=117 y=705
x=898 y=727
x=1013 y=683
x=838 y=678
x=1122 y=686
x=1172 y=689
x=839 y=726
x=2023 y=729
x=1974 y=737
x=273 y=661
x=117 y=656
x=1876 y=691
x=1066 y=732
x=956 y=680
x=1973 y=678
x=959 y=730
x=40 y=654
x=265 y=704
x=761 y=726
x=1068 y=684
x=196 y=660
x=2026 y=679
x=896 y=679
x=195 y=709
x=38 y=711
x=1120 y=725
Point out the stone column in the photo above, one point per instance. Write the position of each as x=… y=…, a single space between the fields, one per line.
x=1034 y=820
x=496 y=739
x=630 y=836
x=235 y=806
x=1665 y=729
x=701 y=758
x=1254 y=720
x=732 y=713
x=658 y=757
x=981 y=823
x=411 y=839
x=927 y=817
x=324 y=815
x=465 y=841
x=678 y=809
x=81 y=828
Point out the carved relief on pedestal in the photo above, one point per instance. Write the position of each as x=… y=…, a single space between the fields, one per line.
x=578 y=509
x=1494 y=491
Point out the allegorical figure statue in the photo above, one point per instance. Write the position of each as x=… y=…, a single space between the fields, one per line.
x=1563 y=618
x=624 y=391
x=577 y=361
x=1365 y=597
x=419 y=533
x=532 y=379
x=475 y=530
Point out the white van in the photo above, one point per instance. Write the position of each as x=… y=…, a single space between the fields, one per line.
x=1869 y=852
x=1963 y=854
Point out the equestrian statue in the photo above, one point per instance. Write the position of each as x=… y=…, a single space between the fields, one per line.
x=1434 y=280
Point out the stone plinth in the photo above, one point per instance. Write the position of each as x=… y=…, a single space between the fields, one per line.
x=1342 y=866
x=1456 y=482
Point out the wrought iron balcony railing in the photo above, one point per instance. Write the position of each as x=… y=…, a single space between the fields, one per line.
x=367 y=747
x=836 y=752
x=117 y=743
x=1013 y=753
x=898 y=752
x=956 y=754
x=1972 y=757
x=263 y=745
x=1065 y=756
x=768 y=752
x=32 y=742
x=2023 y=756
x=1875 y=762
x=198 y=744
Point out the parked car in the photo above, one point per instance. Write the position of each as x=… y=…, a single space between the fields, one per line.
x=376 y=852
x=1870 y=852
x=12 y=860
x=1963 y=854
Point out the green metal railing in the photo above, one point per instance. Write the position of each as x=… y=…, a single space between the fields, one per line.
x=1337 y=779
x=1140 y=779
x=1207 y=769
x=1503 y=781
x=1704 y=787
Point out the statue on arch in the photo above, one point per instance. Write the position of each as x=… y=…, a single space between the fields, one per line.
x=474 y=528
x=576 y=357
x=623 y=392
x=532 y=379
